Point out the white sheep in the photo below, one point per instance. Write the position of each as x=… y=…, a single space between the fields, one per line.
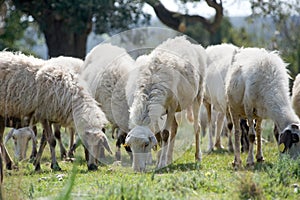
x=257 y=87
x=74 y=65
x=219 y=60
x=21 y=138
x=168 y=80
x=106 y=69
x=296 y=95
x=48 y=92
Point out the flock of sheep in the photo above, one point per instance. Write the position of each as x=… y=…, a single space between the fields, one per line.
x=109 y=86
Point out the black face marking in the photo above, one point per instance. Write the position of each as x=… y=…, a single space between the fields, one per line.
x=287 y=138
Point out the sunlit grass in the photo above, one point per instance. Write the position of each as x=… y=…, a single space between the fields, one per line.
x=213 y=178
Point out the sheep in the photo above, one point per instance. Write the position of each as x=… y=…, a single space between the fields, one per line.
x=219 y=60
x=21 y=138
x=48 y=93
x=257 y=87
x=166 y=81
x=296 y=95
x=73 y=64
x=106 y=69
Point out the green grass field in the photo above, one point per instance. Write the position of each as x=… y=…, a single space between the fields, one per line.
x=213 y=178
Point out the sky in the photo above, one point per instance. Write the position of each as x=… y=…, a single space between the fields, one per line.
x=232 y=8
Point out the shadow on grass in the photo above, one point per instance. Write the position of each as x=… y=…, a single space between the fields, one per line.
x=218 y=151
x=182 y=167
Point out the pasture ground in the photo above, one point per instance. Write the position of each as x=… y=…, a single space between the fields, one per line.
x=213 y=178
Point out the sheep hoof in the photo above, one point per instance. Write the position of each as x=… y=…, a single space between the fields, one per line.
x=219 y=146
x=92 y=167
x=70 y=154
x=55 y=167
x=250 y=164
x=236 y=165
x=37 y=167
x=260 y=159
x=9 y=166
x=31 y=159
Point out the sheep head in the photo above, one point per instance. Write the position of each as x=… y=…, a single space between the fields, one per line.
x=94 y=140
x=21 y=138
x=289 y=140
x=141 y=140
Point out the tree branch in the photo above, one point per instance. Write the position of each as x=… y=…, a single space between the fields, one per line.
x=178 y=21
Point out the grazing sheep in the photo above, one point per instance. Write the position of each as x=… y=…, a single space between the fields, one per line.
x=47 y=92
x=21 y=138
x=106 y=69
x=257 y=87
x=168 y=80
x=74 y=65
x=219 y=60
x=296 y=95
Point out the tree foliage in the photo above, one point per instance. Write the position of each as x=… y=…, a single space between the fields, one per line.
x=66 y=24
x=286 y=16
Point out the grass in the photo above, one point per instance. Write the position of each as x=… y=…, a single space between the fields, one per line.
x=213 y=178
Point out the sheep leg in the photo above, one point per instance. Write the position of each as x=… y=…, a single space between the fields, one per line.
x=259 y=153
x=72 y=135
x=210 y=134
x=250 y=158
x=229 y=131
x=75 y=145
x=165 y=137
x=220 y=124
x=196 y=108
x=244 y=139
x=237 y=149
x=172 y=141
x=52 y=144
x=57 y=134
x=7 y=158
x=92 y=158
x=43 y=143
x=120 y=139
x=34 y=149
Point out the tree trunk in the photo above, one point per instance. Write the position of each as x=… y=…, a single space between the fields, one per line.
x=62 y=36
x=62 y=41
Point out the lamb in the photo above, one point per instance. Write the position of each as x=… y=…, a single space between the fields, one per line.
x=219 y=60
x=21 y=138
x=48 y=93
x=257 y=88
x=106 y=70
x=168 y=80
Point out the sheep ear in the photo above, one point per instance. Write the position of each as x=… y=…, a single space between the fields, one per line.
x=104 y=142
x=127 y=141
x=153 y=142
x=9 y=135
